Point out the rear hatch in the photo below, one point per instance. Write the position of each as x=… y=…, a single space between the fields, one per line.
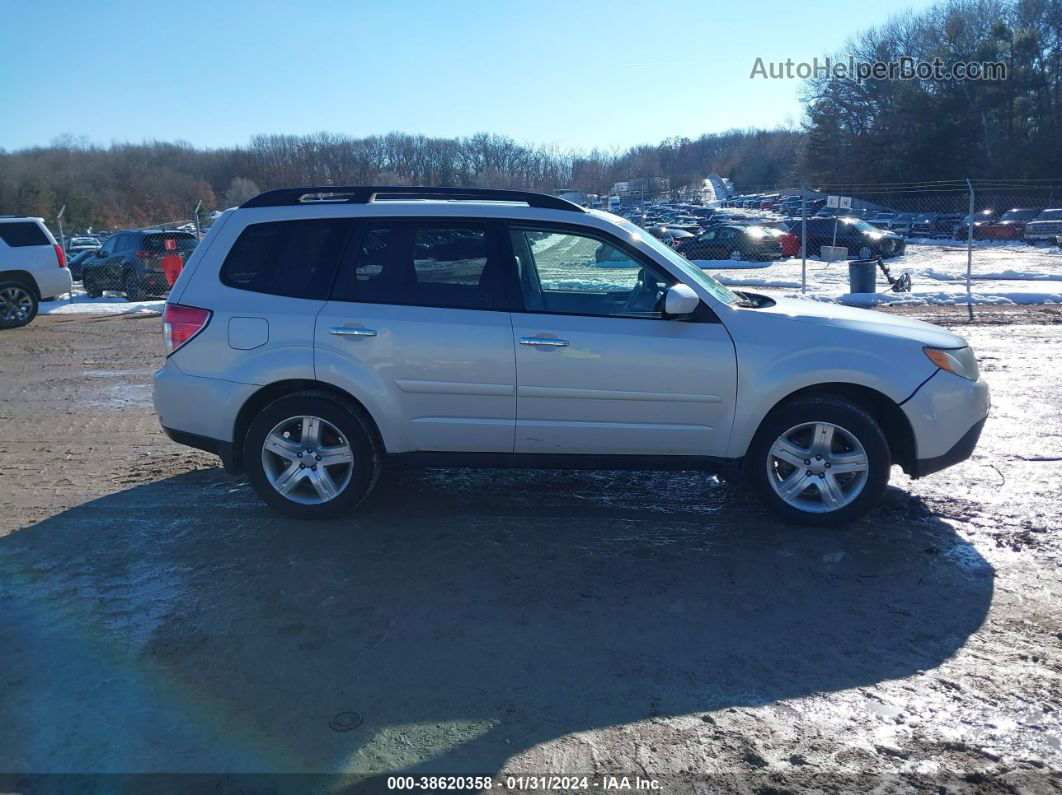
x=156 y=246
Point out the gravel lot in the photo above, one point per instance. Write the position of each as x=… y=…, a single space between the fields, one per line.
x=156 y=618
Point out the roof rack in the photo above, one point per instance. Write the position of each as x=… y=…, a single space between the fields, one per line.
x=366 y=194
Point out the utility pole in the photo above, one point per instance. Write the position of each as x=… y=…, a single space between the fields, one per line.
x=195 y=212
x=803 y=238
x=59 y=223
x=969 y=252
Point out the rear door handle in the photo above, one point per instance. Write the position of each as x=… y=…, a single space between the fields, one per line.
x=551 y=342
x=343 y=331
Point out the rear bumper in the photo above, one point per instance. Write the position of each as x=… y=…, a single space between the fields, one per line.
x=53 y=282
x=223 y=450
x=200 y=412
x=960 y=451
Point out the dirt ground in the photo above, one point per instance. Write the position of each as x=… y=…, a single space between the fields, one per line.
x=155 y=618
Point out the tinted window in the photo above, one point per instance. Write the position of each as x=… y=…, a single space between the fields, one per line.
x=160 y=245
x=23 y=233
x=425 y=264
x=292 y=258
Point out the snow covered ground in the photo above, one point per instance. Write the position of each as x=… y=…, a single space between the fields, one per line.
x=1004 y=272
x=106 y=304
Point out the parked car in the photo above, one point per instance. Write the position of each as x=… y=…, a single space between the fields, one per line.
x=77 y=263
x=734 y=242
x=1045 y=228
x=75 y=245
x=901 y=223
x=32 y=269
x=789 y=242
x=312 y=344
x=862 y=239
x=133 y=262
x=936 y=225
x=1009 y=226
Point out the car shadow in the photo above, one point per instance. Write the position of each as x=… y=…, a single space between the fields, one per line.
x=458 y=618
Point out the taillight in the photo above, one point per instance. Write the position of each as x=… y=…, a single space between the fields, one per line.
x=60 y=255
x=181 y=323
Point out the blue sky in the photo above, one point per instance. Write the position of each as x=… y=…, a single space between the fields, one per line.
x=574 y=74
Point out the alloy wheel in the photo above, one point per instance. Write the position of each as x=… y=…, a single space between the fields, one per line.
x=817 y=467
x=307 y=460
x=16 y=304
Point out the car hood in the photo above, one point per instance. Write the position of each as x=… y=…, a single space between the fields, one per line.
x=863 y=320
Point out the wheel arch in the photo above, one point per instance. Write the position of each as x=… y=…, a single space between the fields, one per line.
x=885 y=411
x=267 y=394
x=24 y=277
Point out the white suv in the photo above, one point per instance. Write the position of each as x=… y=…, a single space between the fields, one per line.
x=319 y=334
x=32 y=269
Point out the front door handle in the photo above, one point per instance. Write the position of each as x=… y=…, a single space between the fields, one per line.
x=551 y=342
x=343 y=331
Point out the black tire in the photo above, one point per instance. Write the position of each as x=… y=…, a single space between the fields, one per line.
x=18 y=304
x=133 y=286
x=838 y=411
x=352 y=423
x=88 y=282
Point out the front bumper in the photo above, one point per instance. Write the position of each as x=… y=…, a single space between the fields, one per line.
x=946 y=414
x=959 y=451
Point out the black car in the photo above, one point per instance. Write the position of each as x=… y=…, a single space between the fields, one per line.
x=733 y=241
x=77 y=262
x=936 y=225
x=862 y=240
x=132 y=262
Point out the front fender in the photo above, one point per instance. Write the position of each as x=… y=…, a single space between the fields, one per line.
x=767 y=375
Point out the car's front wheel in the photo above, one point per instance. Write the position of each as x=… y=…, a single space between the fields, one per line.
x=819 y=460
x=311 y=455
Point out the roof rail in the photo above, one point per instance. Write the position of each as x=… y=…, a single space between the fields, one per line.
x=366 y=194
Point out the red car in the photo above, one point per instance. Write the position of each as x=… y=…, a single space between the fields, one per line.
x=789 y=241
x=1011 y=226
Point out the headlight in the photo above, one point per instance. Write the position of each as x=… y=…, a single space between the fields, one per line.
x=960 y=361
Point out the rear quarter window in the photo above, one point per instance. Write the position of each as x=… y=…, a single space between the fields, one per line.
x=23 y=233
x=297 y=259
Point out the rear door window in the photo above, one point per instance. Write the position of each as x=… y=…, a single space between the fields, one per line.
x=23 y=233
x=426 y=263
x=297 y=259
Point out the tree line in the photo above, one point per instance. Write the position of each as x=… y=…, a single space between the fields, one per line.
x=875 y=131
x=149 y=183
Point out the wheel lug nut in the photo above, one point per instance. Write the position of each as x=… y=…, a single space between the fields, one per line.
x=807 y=460
x=302 y=466
x=313 y=468
x=818 y=458
x=318 y=458
x=827 y=464
x=809 y=473
x=821 y=474
x=300 y=455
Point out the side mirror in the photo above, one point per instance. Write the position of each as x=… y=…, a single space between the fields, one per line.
x=680 y=301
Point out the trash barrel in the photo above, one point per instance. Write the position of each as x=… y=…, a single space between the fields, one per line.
x=862 y=275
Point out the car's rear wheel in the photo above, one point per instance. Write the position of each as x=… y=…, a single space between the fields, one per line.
x=311 y=455
x=18 y=304
x=133 y=286
x=819 y=460
x=737 y=254
x=866 y=252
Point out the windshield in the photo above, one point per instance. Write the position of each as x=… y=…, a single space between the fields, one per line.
x=1018 y=215
x=718 y=291
x=859 y=224
x=1050 y=215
